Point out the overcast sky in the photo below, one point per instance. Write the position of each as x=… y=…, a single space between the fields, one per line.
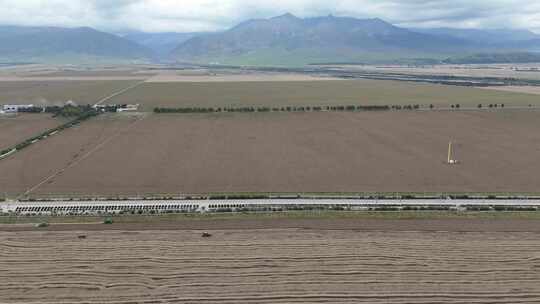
x=211 y=15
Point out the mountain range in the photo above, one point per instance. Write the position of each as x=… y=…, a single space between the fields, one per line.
x=289 y=38
x=55 y=44
x=282 y=40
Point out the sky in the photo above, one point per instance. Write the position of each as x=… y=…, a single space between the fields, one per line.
x=215 y=15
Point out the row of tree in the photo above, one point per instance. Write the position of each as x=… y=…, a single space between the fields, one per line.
x=349 y=108
x=492 y=105
x=68 y=110
x=80 y=113
x=458 y=106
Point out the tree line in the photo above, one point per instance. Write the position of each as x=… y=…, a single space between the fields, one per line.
x=81 y=113
x=68 y=110
x=342 y=108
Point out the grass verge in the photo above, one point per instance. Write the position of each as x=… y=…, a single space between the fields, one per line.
x=388 y=215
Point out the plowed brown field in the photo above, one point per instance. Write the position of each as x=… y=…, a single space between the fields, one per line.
x=269 y=266
x=48 y=157
x=16 y=129
x=284 y=152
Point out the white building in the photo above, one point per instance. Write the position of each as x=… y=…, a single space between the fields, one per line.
x=15 y=108
x=129 y=107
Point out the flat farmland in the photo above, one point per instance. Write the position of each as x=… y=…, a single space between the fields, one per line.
x=49 y=157
x=519 y=71
x=320 y=92
x=231 y=76
x=292 y=265
x=16 y=129
x=119 y=73
x=59 y=91
x=285 y=152
x=520 y=89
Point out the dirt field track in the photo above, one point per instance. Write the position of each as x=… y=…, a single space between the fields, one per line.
x=280 y=93
x=283 y=152
x=15 y=129
x=277 y=265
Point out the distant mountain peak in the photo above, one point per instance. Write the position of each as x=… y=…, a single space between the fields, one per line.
x=285 y=16
x=331 y=38
x=87 y=28
x=321 y=38
x=379 y=20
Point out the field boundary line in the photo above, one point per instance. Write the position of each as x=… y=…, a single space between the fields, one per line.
x=78 y=160
x=115 y=94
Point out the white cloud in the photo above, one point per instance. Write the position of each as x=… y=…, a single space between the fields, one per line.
x=207 y=15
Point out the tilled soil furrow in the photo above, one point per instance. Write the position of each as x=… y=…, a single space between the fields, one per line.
x=269 y=266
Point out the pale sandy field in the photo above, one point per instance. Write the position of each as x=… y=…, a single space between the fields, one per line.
x=57 y=92
x=69 y=78
x=51 y=73
x=496 y=70
x=517 y=89
x=208 y=76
